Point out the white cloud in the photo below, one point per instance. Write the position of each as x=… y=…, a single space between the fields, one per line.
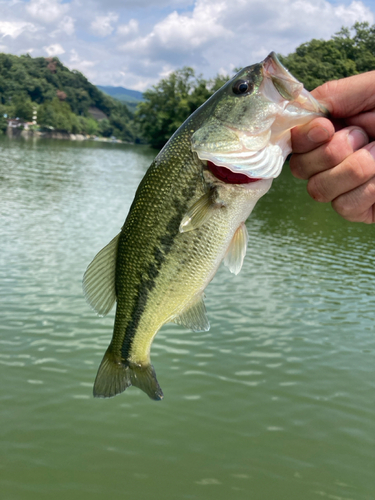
x=183 y=33
x=128 y=29
x=102 y=25
x=14 y=28
x=231 y=33
x=137 y=42
x=47 y=11
x=54 y=50
x=83 y=65
x=356 y=11
x=67 y=25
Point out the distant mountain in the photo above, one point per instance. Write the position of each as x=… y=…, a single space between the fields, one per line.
x=121 y=93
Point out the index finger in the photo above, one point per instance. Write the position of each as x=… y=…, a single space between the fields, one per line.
x=348 y=96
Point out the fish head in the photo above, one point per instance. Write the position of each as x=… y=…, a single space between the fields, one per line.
x=247 y=123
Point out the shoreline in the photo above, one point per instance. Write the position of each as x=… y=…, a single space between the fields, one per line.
x=17 y=132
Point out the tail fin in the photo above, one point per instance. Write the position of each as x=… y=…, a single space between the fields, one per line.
x=114 y=377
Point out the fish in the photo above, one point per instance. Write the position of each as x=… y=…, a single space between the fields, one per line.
x=188 y=216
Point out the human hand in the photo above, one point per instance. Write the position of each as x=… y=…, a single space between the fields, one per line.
x=338 y=157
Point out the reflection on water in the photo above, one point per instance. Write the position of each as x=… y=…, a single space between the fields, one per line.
x=275 y=401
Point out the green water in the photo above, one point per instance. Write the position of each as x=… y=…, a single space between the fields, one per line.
x=276 y=401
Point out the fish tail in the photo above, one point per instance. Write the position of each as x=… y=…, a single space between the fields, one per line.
x=115 y=376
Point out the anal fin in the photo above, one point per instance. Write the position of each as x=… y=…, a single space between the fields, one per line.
x=194 y=316
x=236 y=252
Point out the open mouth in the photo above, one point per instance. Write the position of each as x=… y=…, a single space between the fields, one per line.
x=229 y=177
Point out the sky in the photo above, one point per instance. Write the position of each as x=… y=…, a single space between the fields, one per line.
x=135 y=43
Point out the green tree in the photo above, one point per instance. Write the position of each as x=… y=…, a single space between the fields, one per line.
x=58 y=115
x=22 y=107
x=105 y=128
x=348 y=53
x=3 y=124
x=167 y=105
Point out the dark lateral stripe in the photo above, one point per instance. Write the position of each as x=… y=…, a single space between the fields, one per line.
x=147 y=282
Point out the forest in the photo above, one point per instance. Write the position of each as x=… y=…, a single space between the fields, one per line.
x=64 y=99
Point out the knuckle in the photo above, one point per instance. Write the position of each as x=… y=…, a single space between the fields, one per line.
x=355 y=171
x=369 y=192
x=343 y=207
x=336 y=151
x=296 y=167
x=360 y=167
x=356 y=205
x=316 y=189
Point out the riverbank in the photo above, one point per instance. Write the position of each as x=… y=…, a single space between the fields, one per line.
x=17 y=132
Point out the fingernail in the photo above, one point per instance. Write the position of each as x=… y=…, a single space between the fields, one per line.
x=318 y=134
x=357 y=138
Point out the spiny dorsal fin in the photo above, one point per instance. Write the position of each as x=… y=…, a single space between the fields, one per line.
x=199 y=213
x=99 y=279
x=194 y=316
x=237 y=250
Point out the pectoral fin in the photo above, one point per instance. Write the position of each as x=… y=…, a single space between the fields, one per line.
x=199 y=213
x=237 y=250
x=99 y=279
x=194 y=316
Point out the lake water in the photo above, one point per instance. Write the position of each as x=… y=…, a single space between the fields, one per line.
x=275 y=402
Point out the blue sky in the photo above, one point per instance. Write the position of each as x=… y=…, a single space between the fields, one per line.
x=134 y=43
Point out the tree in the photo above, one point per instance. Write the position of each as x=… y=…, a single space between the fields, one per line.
x=167 y=105
x=349 y=52
x=22 y=107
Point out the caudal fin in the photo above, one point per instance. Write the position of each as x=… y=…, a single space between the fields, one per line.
x=114 y=377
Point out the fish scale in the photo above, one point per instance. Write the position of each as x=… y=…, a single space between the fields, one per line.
x=184 y=221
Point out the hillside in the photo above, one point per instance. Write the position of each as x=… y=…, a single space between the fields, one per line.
x=121 y=93
x=64 y=99
x=130 y=97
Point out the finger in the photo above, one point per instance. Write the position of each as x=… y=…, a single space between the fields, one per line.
x=357 y=205
x=348 y=96
x=313 y=134
x=343 y=144
x=356 y=170
x=366 y=121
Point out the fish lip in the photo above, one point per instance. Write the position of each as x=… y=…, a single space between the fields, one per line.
x=272 y=68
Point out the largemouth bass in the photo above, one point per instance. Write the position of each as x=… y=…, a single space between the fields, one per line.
x=188 y=216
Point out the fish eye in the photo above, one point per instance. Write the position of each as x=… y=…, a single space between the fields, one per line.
x=242 y=87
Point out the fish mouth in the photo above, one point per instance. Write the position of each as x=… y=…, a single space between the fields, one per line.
x=261 y=155
x=226 y=175
x=289 y=87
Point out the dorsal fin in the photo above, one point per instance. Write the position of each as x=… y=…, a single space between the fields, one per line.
x=194 y=316
x=99 y=279
x=237 y=250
